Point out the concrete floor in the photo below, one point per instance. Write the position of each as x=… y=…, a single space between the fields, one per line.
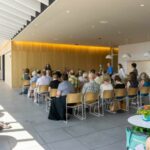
x=31 y=130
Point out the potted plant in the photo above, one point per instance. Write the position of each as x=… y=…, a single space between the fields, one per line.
x=145 y=112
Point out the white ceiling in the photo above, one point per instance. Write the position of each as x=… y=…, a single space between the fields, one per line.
x=14 y=15
x=89 y=22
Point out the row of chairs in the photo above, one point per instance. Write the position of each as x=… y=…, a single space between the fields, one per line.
x=79 y=102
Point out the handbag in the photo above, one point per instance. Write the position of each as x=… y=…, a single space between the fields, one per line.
x=133 y=139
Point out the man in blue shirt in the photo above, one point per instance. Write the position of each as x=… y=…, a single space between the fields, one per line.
x=109 y=69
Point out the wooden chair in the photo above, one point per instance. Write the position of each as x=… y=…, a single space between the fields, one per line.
x=107 y=100
x=26 y=83
x=132 y=97
x=42 y=92
x=33 y=85
x=74 y=101
x=91 y=100
x=120 y=97
x=144 y=92
x=52 y=94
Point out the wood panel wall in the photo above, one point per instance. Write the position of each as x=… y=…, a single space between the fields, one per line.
x=36 y=55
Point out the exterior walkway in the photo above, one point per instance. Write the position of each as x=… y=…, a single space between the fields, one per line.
x=31 y=130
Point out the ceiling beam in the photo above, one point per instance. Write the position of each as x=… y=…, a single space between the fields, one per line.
x=15 y=12
x=46 y=2
x=12 y=17
x=9 y=26
x=10 y=23
x=32 y=4
x=18 y=6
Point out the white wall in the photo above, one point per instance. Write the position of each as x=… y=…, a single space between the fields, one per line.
x=5 y=49
x=137 y=51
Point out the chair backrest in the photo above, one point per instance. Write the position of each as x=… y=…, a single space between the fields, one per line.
x=43 y=88
x=120 y=92
x=33 y=85
x=26 y=82
x=132 y=91
x=53 y=92
x=91 y=97
x=74 y=98
x=108 y=94
x=144 y=90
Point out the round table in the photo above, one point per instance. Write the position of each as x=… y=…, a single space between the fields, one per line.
x=139 y=122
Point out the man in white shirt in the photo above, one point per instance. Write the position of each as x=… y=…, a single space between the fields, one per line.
x=43 y=80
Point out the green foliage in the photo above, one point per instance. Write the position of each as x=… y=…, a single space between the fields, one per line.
x=144 y=112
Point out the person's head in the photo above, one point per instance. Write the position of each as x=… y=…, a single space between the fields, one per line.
x=64 y=77
x=117 y=79
x=144 y=76
x=38 y=72
x=34 y=73
x=133 y=65
x=120 y=66
x=48 y=72
x=59 y=74
x=48 y=67
x=80 y=72
x=108 y=64
x=71 y=72
x=132 y=77
x=55 y=76
x=106 y=78
x=27 y=70
x=92 y=71
x=43 y=73
x=91 y=76
x=85 y=75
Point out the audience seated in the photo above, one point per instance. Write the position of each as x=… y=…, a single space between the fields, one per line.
x=48 y=75
x=73 y=79
x=38 y=73
x=33 y=79
x=118 y=83
x=43 y=80
x=144 y=80
x=55 y=82
x=99 y=78
x=90 y=86
x=106 y=85
x=132 y=80
x=58 y=105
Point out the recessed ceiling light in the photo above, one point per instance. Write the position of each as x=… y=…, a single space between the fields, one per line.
x=142 y=5
x=103 y=21
x=93 y=26
x=67 y=11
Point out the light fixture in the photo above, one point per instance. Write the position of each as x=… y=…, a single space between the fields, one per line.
x=126 y=56
x=103 y=21
x=147 y=54
x=142 y=5
x=67 y=11
x=108 y=57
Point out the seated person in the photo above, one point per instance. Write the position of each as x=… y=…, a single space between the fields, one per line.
x=132 y=80
x=58 y=105
x=106 y=85
x=73 y=79
x=33 y=79
x=99 y=78
x=55 y=82
x=144 y=80
x=118 y=84
x=43 y=80
x=25 y=76
x=90 y=86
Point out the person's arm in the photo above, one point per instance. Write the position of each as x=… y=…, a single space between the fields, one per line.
x=59 y=91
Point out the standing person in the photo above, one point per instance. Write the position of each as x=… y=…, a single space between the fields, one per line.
x=121 y=72
x=134 y=69
x=109 y=69
x=48 y=67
